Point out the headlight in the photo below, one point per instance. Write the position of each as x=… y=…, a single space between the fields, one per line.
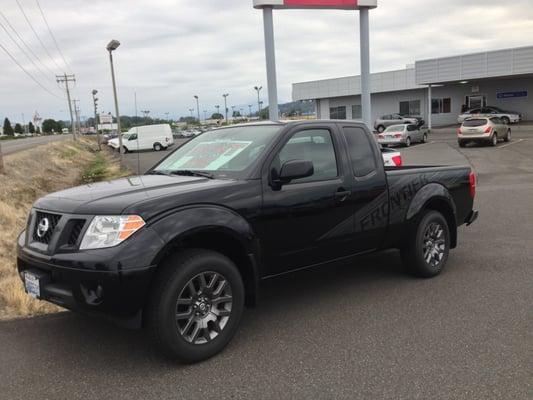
x=110 y=230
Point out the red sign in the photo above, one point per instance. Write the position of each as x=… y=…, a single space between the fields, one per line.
x=333 y=4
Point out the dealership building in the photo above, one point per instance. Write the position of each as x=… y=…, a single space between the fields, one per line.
x=502 y=78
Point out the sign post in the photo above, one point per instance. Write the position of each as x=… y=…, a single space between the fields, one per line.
x=361 y=5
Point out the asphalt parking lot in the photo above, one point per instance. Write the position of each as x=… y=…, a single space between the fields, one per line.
x=354 y=331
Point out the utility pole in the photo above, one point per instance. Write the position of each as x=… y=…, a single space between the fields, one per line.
x=77 y=114
x=95 y=102
x=250 y=110
x=197 y=107
x=66 y=79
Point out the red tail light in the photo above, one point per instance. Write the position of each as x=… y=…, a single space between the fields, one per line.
x=488 y=129
x=458 y=131
x=380 y=136
x=472 y=179
x=398 y=136
x=397 y=160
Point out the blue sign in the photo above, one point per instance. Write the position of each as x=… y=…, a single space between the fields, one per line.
x=511 y=95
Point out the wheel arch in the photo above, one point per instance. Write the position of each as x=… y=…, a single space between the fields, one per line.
x=435 y=197
x=230 y=235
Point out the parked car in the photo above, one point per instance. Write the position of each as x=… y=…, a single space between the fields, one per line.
x=404 y=134
x=508 y=117
x=394 y=119
x=157 y=137
x=391 y=158
x=483 y=130
x=183 y=249
x=107 y=137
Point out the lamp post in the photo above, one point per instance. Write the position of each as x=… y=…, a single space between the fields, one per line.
x=258 y=89
x=197 y=107
x=226 y=105
x=260 y=107
x=95 y=102
x=250 y=110
x=111 y=46
x=232 y=112
x=191 y=110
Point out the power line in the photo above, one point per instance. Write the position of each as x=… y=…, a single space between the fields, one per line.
x=27 y=73
x=23 y=51
x=53 y=37
x=26 y=45
x=36 y=35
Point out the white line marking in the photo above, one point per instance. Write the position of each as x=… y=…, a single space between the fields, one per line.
x=509 y=144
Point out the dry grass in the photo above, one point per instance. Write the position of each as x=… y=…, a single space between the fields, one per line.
x=29 y=175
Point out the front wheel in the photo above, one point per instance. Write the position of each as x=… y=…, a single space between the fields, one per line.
x=196 y=305
x=424 y=138
x=506 y=120
x=408 y=142
x=158 y=147
x=428 y=246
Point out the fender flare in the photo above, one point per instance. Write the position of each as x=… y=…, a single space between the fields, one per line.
x=425 y=194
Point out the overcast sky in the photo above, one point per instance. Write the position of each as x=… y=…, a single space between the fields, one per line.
x=172 y=50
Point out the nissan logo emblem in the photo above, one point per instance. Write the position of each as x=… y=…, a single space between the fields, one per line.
x=43 y=227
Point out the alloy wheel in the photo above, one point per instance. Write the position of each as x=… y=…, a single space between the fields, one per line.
x=203 y=307
x=434 y=244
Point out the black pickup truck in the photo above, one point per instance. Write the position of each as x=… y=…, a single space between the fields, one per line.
x=183 y=248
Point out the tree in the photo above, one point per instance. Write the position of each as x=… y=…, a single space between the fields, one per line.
x=236 y=114
x=8 y=129
x=31 y=128
x=50 y=126
x=217 y=116
x=18 y=129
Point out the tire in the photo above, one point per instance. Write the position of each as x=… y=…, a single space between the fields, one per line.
x=425 y=138
x=507 y=137
x=407 y=142
x=158 y=146
x=428 y=246
x=506 y=120
x=494 y=140
x=381 y=128
x=205 y=327
x=462 y=143
x=125 y=149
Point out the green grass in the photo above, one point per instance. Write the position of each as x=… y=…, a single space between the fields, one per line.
x=96 y=170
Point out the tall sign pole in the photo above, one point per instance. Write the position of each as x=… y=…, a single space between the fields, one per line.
x=363 y=6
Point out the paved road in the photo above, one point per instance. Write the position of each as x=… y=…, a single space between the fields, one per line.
x=12 y=146
x=357 y=331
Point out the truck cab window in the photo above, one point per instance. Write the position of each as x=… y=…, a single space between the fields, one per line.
x=315 y=145
x=360 y=151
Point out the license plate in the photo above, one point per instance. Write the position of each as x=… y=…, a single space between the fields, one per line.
x=33 y=287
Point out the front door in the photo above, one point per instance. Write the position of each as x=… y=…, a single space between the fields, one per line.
x=310 y=220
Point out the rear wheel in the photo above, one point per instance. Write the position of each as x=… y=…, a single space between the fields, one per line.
x=494 y=139
x=196 y=305
x=158 y=146
x=428 y=246
x=381 y=128
x=462 y=143
x=508 y=136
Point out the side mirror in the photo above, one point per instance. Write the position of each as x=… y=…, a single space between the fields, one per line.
x=295 y=169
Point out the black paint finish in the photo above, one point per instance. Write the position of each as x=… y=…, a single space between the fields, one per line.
x=267 y=228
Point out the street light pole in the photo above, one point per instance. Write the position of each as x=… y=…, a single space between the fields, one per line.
x=226 y=105
x=197 y=107
x=258 y=89
x=250 y=110
x=113 y=45
x=95 y=100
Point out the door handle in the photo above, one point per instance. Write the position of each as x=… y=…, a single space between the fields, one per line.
x=341 y=195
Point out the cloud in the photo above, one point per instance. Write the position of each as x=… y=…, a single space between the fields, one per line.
x=172 y=50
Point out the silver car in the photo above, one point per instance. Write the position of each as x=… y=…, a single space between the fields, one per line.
x=393 y=119
x=404 y=134
x=489 y=130
x=508 y=117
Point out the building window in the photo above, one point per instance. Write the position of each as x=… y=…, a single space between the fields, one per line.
x=337 y=112
x=411 y=107
x=356 y=111
x=441 y=106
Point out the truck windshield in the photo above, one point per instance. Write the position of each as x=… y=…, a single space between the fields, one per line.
x=226 y=152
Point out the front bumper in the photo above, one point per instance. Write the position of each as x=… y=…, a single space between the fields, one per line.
x=102 y=289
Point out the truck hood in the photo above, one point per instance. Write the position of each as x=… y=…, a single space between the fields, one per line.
x=121 y=195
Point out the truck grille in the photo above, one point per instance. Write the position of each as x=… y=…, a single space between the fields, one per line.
x=45 y=224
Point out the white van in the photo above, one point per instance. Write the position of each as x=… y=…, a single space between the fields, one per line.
x=156 y=137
